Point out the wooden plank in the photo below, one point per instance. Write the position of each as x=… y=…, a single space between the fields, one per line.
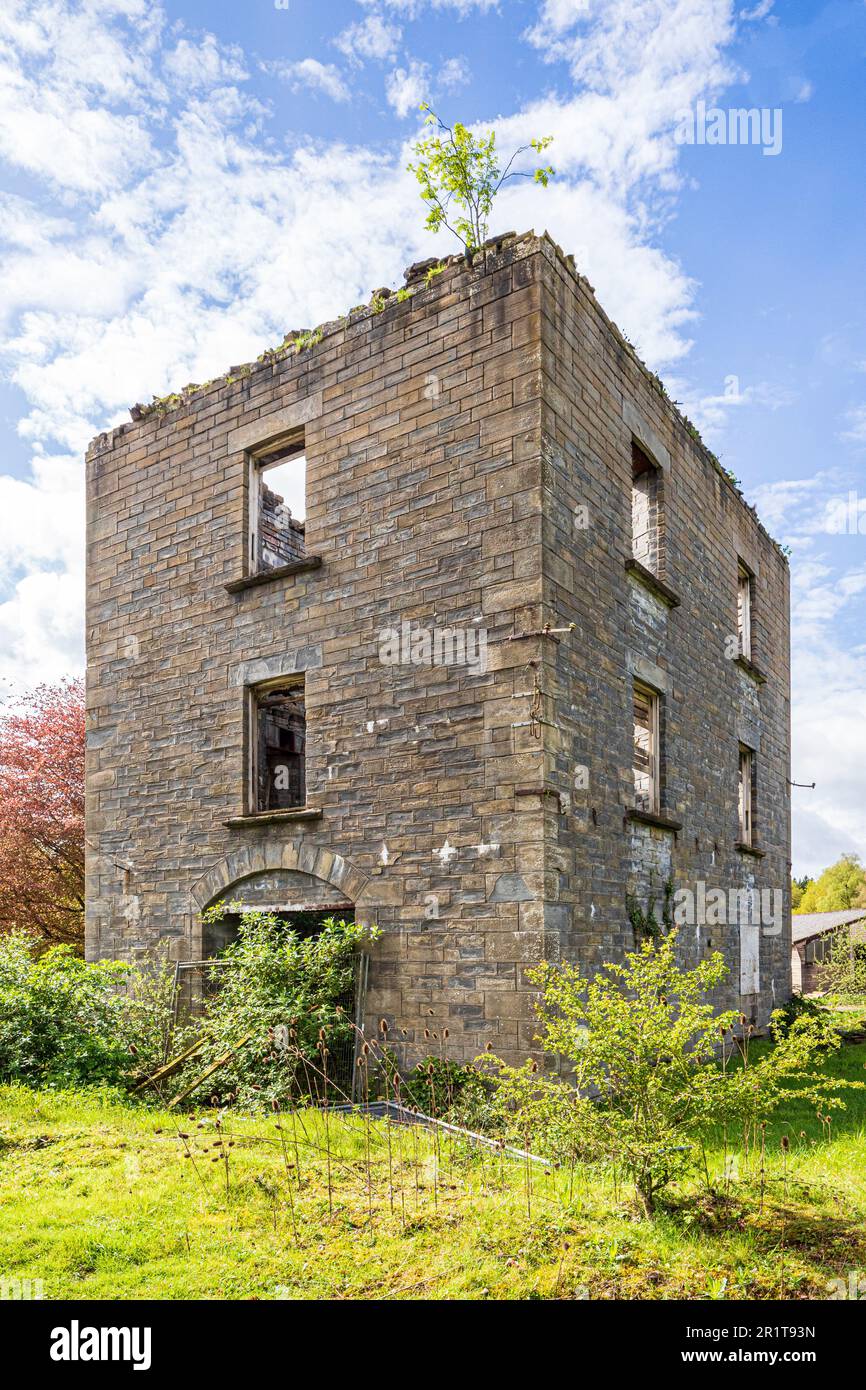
x=170 y=1067
x=215 y=1066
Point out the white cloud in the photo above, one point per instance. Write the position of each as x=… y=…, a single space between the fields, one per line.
x=855 y=433
x=41 y=520
x=413 y=8
x=803 y=510
x=72 y=94
x=373 y=37
x=42 y=570
x=204 y=64
x=66 y=278
x=311 y=74
x=784 y=505
x=86 y=151
x=710 y=412
x=635 y=69
x=758 y=12
x=454 y=72
x=188 y=237
x=42 y=628
x=557 y=16
x=24 y=224
x=406 y=88
x=609 y=43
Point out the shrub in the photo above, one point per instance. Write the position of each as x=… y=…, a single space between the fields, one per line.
x=68 y=1022
x=843 y=970
x=652 y=1063
x=147 y=1025
x=798 y=1006
x=443 y=1088
x=281 y=992
x=60 y=1016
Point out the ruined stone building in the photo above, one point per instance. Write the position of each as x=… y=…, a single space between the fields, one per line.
x=517 y=680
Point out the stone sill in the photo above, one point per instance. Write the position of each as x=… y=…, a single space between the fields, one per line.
x=654 y=818
x=750 y=669
x=749 y=849
x=251 y=581
x=274 y=817
x=652 y=582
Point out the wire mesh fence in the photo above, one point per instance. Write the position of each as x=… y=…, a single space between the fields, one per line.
x=197 y=983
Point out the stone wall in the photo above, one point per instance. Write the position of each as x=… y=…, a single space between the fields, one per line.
x=281 y=538
x=677 y=636
x=422 y=438
x=449 y=441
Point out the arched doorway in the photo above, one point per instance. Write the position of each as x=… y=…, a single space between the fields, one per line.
x=301 y=900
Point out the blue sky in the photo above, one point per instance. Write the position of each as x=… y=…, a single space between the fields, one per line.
x=184 y=182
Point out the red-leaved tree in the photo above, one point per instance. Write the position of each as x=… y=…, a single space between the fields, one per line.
x=42 y=814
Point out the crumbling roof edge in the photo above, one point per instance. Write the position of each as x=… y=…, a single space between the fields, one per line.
x=655 y=381
x=418 y=277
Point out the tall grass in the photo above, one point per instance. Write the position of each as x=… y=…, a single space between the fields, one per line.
x=101 y=1199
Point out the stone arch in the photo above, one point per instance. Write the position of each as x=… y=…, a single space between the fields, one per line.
x=323 y=864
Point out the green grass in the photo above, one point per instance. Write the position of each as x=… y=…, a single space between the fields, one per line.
x=98 y=1201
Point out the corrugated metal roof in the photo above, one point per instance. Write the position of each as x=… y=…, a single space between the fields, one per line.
x=807 y=924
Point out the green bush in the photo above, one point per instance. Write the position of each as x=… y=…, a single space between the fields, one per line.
x=658 y=1070
x=67 y=1022
x=843 y=971
x=147 y=1020
x=61 y=1018
x=798 y=1006
x=281 y=992
x=449 y=1090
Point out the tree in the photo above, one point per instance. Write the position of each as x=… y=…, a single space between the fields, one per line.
x=459 y=170
x=838 y=888
x=42 y=814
